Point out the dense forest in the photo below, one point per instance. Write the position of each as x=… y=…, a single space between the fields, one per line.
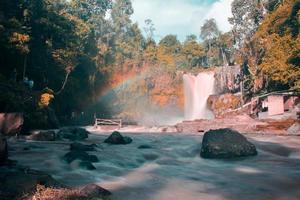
x=71 y=52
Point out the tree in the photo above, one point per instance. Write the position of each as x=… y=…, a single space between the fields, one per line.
x=246 y=17
x=209 y=32
x=193 y=51
x=171 y=44
x=270 y=59
x=149 y=29
x=279 y=39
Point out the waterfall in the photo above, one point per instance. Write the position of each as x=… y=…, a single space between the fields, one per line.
x=197 y=89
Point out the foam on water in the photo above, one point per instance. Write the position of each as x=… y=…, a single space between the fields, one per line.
x=172 y=168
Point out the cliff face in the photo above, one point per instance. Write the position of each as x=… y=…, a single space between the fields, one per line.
x=222 y=104
x=153 y=94
x=227 y=79
x=227 y=86
x=148 y=95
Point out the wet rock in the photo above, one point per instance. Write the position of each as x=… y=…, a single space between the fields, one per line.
x=87 y=165
x=15 y=182
x=94 y=191
x=150 y=156
x=42 y=136
x=294 y=129
x=81 y=147
x=144 y=146
x=73 y=133
x=226 y=143
x=117 y=138
x=3 y=151
x=79 y=155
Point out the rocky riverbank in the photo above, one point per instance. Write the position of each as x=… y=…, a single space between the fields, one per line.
x=59 y=164
x=28 y=182
x=158 y=167
x=243 y=124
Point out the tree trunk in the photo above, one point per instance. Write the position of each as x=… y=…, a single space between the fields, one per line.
x=208 y=56
x=242 y=88
x=25 y=66
x=64 y=83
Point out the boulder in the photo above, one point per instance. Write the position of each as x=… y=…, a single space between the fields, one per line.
x=42 y=136
x=11 y=123
x=16 y=182
x=79 y=155
x=117 y=138
x=144 y=146
x=150 y=156
x=3 y=151
x=81 y=147
x=73 y=133
x=94 y=191
x=226 y=143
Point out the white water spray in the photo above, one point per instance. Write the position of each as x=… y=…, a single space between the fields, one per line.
x=197 y=89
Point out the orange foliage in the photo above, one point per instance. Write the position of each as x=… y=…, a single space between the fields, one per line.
x=275 y=38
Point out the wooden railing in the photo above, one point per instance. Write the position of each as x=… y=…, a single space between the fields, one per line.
x=108 y=122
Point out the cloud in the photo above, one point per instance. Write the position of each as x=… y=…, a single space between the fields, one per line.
x=181 y=17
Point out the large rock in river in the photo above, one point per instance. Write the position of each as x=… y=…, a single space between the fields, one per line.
x=82 y=147
x=73 y=133
x=79 y=155
x=42 y=136
x=11 y=123
x=226 y=143
x=117 y=138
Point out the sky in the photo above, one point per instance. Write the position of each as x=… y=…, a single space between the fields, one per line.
x=181 y=17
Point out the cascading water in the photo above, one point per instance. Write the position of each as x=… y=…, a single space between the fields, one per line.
x=197 y=89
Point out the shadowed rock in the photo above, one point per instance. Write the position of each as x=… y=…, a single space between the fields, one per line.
x=150 y=156
x=117 y=138
x=42 y=136
x=73 y=133
x=93 y=190
x=81 y=147
x=79 y=155
x=15 y=182
x=144 y=146
x=11 y=123
x=226 y=143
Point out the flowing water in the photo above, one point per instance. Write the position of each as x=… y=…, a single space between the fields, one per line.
x=172 y=168
x=197 y=89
